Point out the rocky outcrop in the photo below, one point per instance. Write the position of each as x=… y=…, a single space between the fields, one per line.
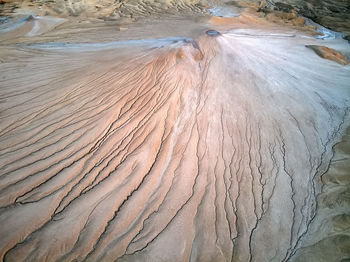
x=329 y=53
x=333 y=14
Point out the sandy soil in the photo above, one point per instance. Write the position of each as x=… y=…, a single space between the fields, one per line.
x=330 y=230
x=151 y=140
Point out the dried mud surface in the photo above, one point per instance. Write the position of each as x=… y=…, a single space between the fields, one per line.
x=154 y=140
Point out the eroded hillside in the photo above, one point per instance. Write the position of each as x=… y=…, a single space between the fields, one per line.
x=179 y=136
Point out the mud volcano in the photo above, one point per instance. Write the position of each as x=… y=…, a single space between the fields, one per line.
x=158 y=131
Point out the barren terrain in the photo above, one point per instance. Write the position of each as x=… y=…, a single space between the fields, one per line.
x=179 y=137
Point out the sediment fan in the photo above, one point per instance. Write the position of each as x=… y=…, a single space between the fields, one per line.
x=169 y=150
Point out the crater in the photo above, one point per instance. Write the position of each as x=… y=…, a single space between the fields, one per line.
x=212 y=32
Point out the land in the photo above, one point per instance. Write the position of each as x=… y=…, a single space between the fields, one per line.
x=172 y=131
